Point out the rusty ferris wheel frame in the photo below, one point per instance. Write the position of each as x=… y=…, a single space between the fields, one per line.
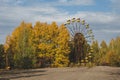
x=80 y=34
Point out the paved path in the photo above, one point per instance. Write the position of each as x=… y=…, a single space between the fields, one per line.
x=82 y=73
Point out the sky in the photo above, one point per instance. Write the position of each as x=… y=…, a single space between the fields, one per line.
x=102 y=15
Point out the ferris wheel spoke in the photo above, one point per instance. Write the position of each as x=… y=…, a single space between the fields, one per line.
x=79 y=27
x=72 y=27
x=76 y=27
x=71 y=31
x=86 y=32
x=83 y=29
x=89 y=36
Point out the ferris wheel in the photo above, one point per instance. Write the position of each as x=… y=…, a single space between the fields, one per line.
x=76 y=26
x=81 y=34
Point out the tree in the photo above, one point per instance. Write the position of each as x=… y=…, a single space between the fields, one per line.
x=113 y=55
x=42 y=43
x=20 y=43
x=8 y=53
x=107 y=55
x=51 y=44
x=2 y=56
x=96 y=52
x=61 y=58
x=103 y=51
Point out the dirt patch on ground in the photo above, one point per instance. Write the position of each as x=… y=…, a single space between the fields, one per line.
x=81 y=73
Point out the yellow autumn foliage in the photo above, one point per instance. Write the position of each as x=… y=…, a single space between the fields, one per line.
x=52 y=40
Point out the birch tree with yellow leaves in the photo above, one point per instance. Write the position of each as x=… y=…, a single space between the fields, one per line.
x=62 y=49
x=20 y=44
x=51 y=43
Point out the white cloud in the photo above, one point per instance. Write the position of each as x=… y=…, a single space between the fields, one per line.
x=17 y=14
x=13 y=15
x=111 y=31
x=97 y=17
x=44 y=3
x=106 y=34
x=49 y=14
